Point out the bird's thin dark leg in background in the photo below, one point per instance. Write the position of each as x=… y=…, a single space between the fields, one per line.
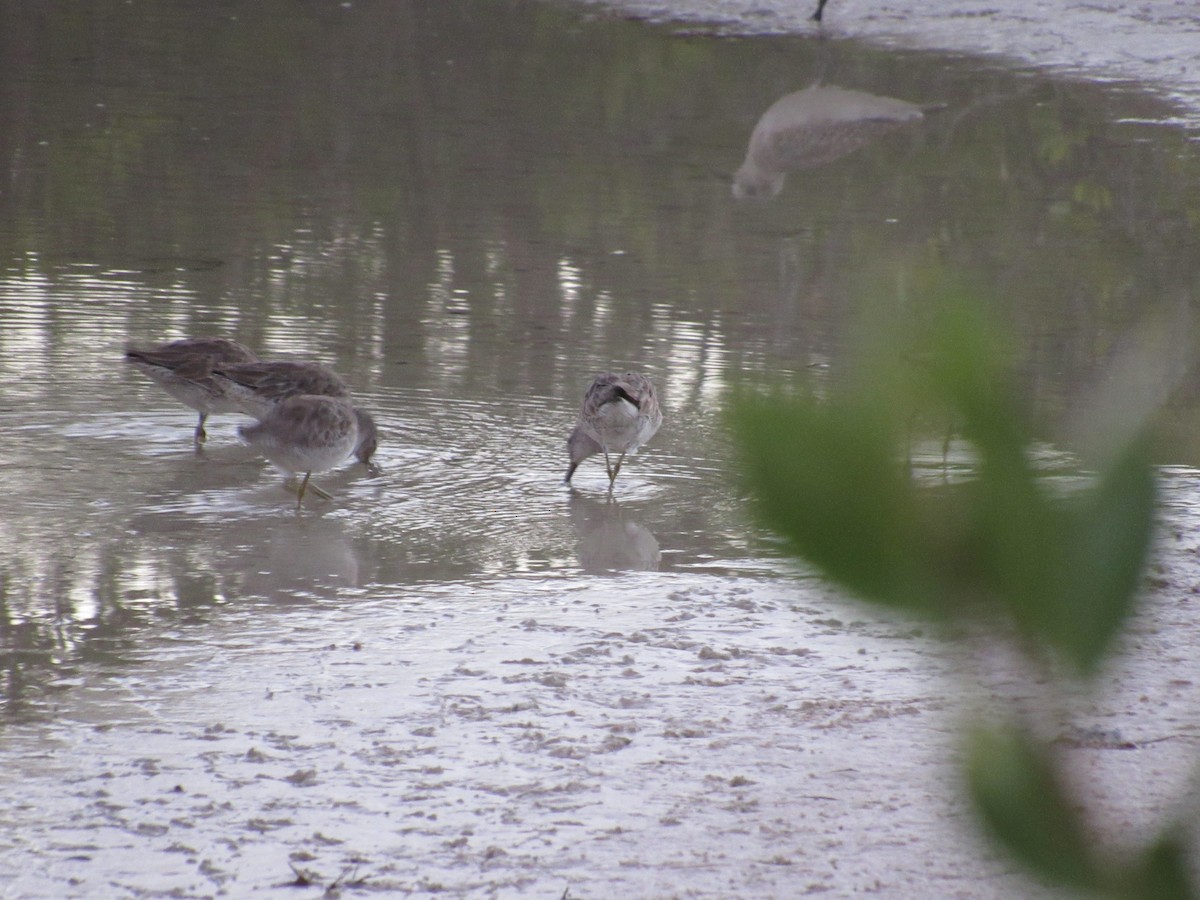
x=946 y=451
x=820 y=10
x=201 y=435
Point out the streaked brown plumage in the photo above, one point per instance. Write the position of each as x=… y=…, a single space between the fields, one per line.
x=310 y=433
x=184 y=370
x=257 y=387
x=619 y=414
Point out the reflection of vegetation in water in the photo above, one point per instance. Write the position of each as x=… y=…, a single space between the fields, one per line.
x=42 y=650
x=999 y=550
x=338 y=159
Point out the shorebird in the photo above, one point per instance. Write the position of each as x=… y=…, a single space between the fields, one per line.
x=184 y=370
x=310 y=433
x=258 y=387
x=813 y=127
x=619 y=414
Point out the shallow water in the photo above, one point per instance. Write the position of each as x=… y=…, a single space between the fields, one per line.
x=460 y=675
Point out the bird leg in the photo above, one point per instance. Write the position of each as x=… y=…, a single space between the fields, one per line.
x=201 y=435
x=303 y=485
x=608 y=468
x=617 y=468
x=292 y=485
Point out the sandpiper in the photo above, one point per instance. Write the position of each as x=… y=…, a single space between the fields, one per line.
x=184 y=370
x=310 y=433
x=814 y=127
x=619 y=414
x=258 y=387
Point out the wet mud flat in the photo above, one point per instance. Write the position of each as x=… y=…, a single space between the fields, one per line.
x=724 y=737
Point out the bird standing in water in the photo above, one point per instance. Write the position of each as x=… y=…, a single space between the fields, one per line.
x=184 y=370
x=619 y=414
x=309 y=433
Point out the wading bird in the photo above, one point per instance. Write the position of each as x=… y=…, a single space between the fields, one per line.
x=619 y=414
x=184 y=370
x=310 y=433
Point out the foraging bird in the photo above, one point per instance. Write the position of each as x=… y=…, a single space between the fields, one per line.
x=258 y=387
x=310 y=433
x=184 y=370
x=814 y=127
x=619 y=414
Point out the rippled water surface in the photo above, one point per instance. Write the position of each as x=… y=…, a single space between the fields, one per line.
x=460 y=676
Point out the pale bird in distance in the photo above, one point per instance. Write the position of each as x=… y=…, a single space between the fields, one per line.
x=620 y=413
x=811 y=128
x=184 y=370
x=310 y=433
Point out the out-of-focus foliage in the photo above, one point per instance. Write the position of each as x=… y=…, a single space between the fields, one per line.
x=1016 y=788
x=1060 y=561
x=832 y=476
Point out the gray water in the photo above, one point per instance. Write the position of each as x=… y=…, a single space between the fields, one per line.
x=460 y=676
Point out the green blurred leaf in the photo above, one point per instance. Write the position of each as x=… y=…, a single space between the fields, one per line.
x=829 y=478
x=1025 y=807
x=967 y=369
x=1105 y=552
x=1064 y=566
x=1161 y=874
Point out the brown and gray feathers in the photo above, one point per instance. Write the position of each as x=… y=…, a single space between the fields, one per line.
x=184 y=370
x=309 y=433
x=620 y=413
x=257 y=387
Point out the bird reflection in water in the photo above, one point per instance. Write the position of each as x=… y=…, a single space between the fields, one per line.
x=302 y=558
x=285 y=559
x=609 y=539
x=812 y=128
